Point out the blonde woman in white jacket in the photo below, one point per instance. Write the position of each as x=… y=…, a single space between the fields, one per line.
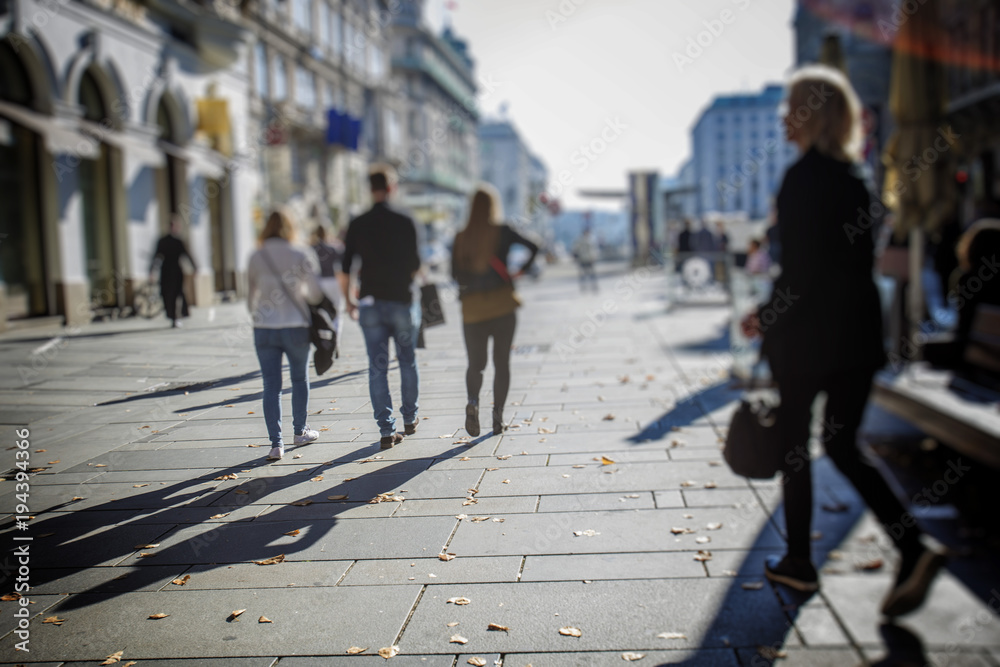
x=283 y=281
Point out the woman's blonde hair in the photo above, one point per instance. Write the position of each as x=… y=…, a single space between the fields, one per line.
x=279 y=225
x=825 y=110
x=476 y=244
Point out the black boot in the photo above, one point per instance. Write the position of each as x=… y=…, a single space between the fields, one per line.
x=498 y=426
x=472 y=418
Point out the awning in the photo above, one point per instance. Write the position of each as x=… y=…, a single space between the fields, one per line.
x=59 y=139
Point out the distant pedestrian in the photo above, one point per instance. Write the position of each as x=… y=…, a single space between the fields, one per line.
x=822 y=330
x=758 y=261
x=169 y=251
x=330 y=253
x=703 y=240
x=585 y=254
x=489 y=302
x=684 y=238
x=386 y=243
x=283 y=281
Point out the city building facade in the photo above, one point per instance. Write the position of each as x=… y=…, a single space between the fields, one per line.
x=321 y=104
x=116 y=117
x=520 y=177
x=739 y=154
x=434 y=134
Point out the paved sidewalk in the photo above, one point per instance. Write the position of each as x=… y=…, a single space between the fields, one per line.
x=589 y=513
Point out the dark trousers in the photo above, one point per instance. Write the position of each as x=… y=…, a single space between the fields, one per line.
x=172 y=287
x=847 y=393
x=477 y=336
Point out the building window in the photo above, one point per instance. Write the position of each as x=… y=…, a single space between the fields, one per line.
x=302 y=15
x=324 y=24
x=305 y=87
x=280 y=79
x=336 y=33
x=260 y=70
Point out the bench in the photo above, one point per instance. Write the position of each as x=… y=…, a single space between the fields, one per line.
x=960 y=407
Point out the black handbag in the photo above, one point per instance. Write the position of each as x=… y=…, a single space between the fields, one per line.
x=754 y=447
x=432 y=313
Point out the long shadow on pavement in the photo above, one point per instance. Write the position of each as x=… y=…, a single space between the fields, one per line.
x=77 y=540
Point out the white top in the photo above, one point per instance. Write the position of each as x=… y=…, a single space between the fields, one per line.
x=268 y=302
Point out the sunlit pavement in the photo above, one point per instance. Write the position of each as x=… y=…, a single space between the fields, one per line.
x=602 y=526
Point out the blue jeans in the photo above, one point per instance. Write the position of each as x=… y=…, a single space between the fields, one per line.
x=381 y=321
x=271 y=344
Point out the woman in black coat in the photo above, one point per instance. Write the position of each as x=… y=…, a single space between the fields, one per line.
x=822 y=328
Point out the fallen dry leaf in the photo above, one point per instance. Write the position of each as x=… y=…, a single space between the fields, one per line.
x=158 y=616
x=835 y=508
x=458 y=639
x=605 y=461
x=41 y=451
x=497 y=627
x=221 y=478
x=498 y=520
x=54 y=620
x=147 y=546
x=11 y=597
x=219 y=516
x=235 y=614
x=146 y=555
x=446 y=557
x=703 y=556
x=242 y=492
x=273 y=560
x=869 y=565
x=134 y=486
x=543 y=430
x=354 y=650
x=506 y=481
x=504 y=457
x=302 y=503
x=632 y=657
x=671 y=635
x=113 y=658
x=292 y=533
x=711 y=485
x=182 y=581
x=479 y=519
x=752 y=585
x=453 y=624
x=264 y=619
x=713 y=526
x=677 y=530
x=688 y=483
x=476 y=661
x=52 y=463
x=590 y=532
x=465 y=458
x=386 y=498
x=458 y=601
x=608 y=417
x=317 y=478
x=389 y=652
x=705 y=539
x=771 y=653
x=571 y=632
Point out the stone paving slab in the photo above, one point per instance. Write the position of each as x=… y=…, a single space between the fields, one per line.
x=251 y=576
x=938 y=622
x=62 y=581
x=38 y=604
x=636 y=531
x=193 y=662
x=454 y=506
x=484 y=462
x=89 y=547
x=460 y=570
x=600 y=567
x=121 y=495
x=800 y=657
x=629 y=617
x=320 y=539
x=698 y=658
x=365 y=660
x=609 y=479
x=583 y=502
x=310 y=620
x=426 y=484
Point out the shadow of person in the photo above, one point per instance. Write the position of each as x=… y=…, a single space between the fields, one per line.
x=904 y=647
x=161 y=533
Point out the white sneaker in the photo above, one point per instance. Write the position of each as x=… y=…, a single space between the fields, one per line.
x=308 y=435
x=276 y=454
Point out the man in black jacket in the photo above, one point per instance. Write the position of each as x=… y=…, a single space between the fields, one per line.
x=386 y=243
x=169 y=251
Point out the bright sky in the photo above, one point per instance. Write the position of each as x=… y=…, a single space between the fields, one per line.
x=614 y=60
